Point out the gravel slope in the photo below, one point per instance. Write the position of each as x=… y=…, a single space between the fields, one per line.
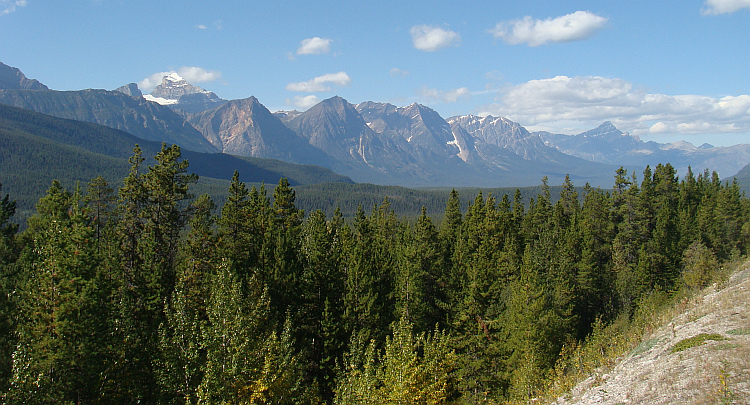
x=714 y=372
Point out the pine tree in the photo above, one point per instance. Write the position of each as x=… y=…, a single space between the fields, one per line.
x=420 y=294
x=594 y=278
x=182 y=354
x=153 y=214
x=53 y=356
x=284 y=238
x=318 y=336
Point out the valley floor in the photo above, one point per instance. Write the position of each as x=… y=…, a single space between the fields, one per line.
x=714 y=371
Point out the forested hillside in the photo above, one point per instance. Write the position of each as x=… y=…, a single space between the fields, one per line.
x=37 y=148
x=149 y=294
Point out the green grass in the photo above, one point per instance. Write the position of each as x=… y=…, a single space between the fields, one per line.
x=739 y=331
x=696 y=341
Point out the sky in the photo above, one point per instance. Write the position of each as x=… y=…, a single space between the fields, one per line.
x=665 y=70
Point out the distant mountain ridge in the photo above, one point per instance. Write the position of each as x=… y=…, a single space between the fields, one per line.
x=373 y=142
x=607 y=144
x=137 y=116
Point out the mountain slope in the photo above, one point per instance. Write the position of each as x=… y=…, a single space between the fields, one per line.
x=12 y=78
x=702 y=355
x=37 y=148
x=743 y=179
x=607 y=144
x=246 y=128
x=335 y=127
x=116 y=110
x=507 y=148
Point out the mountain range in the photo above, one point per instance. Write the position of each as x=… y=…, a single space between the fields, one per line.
x=368 y=142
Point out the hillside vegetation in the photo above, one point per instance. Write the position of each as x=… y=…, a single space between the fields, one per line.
x=692 y=349
x=143 y=292
x=36 y=149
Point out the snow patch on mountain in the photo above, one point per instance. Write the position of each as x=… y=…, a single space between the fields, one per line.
x=160 y=100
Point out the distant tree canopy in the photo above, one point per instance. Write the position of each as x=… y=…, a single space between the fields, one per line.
x=150 y=294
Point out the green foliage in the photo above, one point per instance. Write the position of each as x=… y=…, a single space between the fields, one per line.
x=147 y=295
x=409 y=370
x=699 y=265
x=694 y=341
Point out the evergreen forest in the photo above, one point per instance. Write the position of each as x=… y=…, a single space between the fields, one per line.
x=150 y=294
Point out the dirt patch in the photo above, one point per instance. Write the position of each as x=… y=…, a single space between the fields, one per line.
x=712 y=365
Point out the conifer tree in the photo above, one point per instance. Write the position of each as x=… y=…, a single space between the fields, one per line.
x=153 y=213
x=247 y=361
x=319 y=338
x=284 y=237
x=182 y=354
x=53 y=357
x=411 y=369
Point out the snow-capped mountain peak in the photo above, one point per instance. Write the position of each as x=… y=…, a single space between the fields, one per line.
x=173 y=77
x=177 y=93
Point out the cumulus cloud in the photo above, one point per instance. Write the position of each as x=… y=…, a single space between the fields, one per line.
x=589 y=100
x=320 y=83
x=303 y=102
x=201 y=27
x=430 y=38
x=9 y=6
x=314 y=46
x=572 y=27
x=191 y=74
x=716 y=7
x=447 y=96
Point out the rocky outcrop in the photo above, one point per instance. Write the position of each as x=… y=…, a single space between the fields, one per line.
x=12 y=78
x=131 y=89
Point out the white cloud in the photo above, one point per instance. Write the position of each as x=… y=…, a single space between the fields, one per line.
x=191 y=74
x=9 y=6
x=572 y=27
x=589 y=100
x=430 y=38
x=201 y=27
x=320 y=83
x=449 y=96
x=314 y=46
x=396 y=72
x=304 y=102
x=716 y=7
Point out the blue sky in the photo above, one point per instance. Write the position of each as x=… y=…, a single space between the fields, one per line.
x=666 y=70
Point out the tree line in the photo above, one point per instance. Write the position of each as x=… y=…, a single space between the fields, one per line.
x=148 y=294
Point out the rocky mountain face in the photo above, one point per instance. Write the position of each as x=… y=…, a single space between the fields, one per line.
x=336 y=127
x=505 y=134
x=11 y=78
x=607 y=144
x=414 y=146
x=178 y=94
x=113 y=109
x=130 y=89
x=428 y=135
x=246 y=128
x=369 y=142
